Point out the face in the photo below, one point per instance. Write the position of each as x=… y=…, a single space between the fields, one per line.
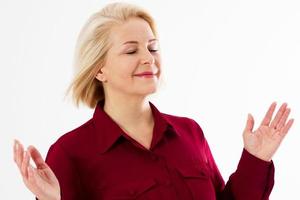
x=133 y=62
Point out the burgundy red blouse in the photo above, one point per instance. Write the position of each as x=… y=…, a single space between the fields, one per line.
x=99 y=161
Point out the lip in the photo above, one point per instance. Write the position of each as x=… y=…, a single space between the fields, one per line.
x=146 y=73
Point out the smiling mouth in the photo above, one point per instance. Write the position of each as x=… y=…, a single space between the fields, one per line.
x=146 y=75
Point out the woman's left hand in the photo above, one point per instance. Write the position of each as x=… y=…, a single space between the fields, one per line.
x=265 y=140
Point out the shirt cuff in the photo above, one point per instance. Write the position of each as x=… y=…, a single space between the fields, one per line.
x=256 y=169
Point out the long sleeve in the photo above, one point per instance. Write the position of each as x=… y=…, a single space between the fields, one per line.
x=252 y=180
x=64 y=169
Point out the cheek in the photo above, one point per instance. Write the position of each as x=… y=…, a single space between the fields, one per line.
x=128 y=66
x=120 y=66
x=157 y=60
x=124 y=69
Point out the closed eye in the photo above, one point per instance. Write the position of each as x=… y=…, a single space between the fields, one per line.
x=151 y=50
x=132 y=52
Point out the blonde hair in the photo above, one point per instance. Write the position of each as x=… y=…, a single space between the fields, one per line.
x=92 y=47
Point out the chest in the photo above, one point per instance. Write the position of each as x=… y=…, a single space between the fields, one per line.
x=175 y=169
x=141 y=136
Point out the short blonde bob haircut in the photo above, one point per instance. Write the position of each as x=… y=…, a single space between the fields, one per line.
x=92 y=47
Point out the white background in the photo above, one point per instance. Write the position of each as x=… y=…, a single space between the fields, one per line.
x=221 y=59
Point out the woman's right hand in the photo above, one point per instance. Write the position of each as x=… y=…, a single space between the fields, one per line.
x=41 y=181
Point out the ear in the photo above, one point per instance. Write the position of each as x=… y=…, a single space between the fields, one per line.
x=100 y=76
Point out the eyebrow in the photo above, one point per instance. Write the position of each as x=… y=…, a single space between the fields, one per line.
x=136 y=42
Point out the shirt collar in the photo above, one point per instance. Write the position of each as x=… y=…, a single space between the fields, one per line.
x=108 y=131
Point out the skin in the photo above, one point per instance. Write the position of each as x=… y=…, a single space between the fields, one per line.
x=265 y=140
x=126 y=102
x=126 y=94
x=40 y=180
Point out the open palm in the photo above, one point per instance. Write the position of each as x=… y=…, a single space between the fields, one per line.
x=41 y=180
x=265 y=140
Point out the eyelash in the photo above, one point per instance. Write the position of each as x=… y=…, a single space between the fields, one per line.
x=132 y=52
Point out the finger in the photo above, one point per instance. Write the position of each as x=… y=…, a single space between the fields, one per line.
x=25 y=164
x=250 y=123
x=15 y=149
x=37 y=158
x=278 y=115
x=31 y=176
x=34 y=181
x=287 y=127
x=269 y=114
x=19 y=153
x=283 y=119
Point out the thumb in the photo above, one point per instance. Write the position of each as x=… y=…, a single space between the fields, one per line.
x=250 y=123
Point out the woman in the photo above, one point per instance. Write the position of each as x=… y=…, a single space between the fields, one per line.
x=130 y=150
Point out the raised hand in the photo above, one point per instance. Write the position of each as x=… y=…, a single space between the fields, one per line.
x=265 y=140
x=41 y=181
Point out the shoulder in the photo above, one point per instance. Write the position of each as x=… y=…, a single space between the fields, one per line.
x=183 y=122
x=75 y=138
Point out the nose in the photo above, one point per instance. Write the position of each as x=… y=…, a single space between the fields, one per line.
x=147 y=58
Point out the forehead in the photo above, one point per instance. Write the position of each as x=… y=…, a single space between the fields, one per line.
x=134 y=29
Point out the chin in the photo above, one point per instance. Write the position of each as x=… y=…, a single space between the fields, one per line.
x=148 y=91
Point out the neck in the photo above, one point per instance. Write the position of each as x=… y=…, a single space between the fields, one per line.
x=129 y=112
